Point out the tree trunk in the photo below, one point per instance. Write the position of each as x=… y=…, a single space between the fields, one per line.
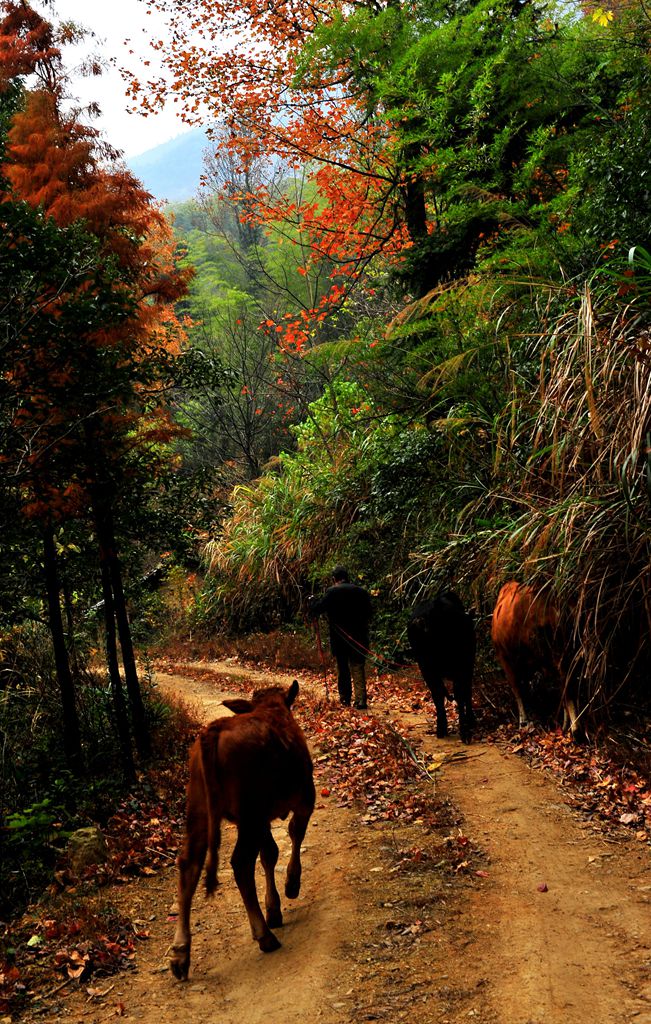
x=71 y=735
x=415 y=205
x=416 y=209
x=102 y=497
x=138 y=716
x=70 y=623
x=119 y=705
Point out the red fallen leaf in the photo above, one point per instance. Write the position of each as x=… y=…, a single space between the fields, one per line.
x=112 y=947
x=543 y=887
x=325 y=791
x=482 y=874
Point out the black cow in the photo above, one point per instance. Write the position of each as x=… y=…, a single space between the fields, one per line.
x=442 y=638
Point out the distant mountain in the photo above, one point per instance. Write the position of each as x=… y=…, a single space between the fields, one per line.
x=171 y=171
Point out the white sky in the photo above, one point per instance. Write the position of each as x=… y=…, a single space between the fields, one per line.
x=113 y=22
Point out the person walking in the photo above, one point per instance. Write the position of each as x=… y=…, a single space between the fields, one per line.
x=348 y=608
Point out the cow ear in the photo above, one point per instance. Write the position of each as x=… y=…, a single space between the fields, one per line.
x=291 y=694
x=240 y=705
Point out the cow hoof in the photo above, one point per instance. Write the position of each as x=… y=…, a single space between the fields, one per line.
x=180 y=963
x=268 y=943
x=274 y=918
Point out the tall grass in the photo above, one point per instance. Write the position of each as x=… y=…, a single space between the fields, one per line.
x=569 y=504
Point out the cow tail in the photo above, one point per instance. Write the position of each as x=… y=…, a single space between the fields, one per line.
x=209 y=762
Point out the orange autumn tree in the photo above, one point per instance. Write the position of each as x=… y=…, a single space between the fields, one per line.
x=93 y=340
x=248 y=67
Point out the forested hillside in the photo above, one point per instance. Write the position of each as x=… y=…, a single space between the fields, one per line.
x=171 y=170
x=405 y=327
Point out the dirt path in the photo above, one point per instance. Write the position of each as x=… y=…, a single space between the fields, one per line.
x=580 y=950
x=370 y=940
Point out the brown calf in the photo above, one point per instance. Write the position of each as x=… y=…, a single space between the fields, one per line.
x=250 y=770
x=525 y=633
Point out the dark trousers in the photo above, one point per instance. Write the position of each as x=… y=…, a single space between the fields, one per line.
x=351 y=670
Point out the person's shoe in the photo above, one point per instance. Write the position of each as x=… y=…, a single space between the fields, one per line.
x=344 y=703
x=360 y=707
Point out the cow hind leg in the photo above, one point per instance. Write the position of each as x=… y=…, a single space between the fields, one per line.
x=190 y=863
x=269 y=859
x=297 y=829
x=467 y=719
x=438 y=691
x=572 y=720
x=243 y=861
x=516 y=688
x=212 y=860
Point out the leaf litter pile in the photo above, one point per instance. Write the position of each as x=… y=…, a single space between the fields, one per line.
x=609 y=789
x=361 y=760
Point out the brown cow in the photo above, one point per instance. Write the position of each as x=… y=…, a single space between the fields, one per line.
x=525 y=636
x=250 y=770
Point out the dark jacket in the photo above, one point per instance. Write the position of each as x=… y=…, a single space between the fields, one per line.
x=349 y=610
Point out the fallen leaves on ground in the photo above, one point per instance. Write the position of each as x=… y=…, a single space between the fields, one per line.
x=361 y=759
x=54 y=943
x=44 y=954
x=595 y=783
